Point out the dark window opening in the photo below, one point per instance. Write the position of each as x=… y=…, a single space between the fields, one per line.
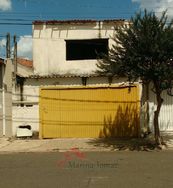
x=86 y=49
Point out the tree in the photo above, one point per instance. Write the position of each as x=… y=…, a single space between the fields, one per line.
x=143 y=49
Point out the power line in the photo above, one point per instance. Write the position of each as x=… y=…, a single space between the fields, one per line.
x=19 y=24
x=14 y=19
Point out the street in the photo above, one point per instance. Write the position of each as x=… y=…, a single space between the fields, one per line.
x=78 y=169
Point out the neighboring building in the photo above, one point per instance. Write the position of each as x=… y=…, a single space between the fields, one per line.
x=65 y=97
x=24 y=67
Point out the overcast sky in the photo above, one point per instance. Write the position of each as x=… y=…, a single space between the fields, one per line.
x=16 y=12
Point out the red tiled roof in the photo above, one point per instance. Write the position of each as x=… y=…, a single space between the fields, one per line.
x=51 y=22
x=25 y=62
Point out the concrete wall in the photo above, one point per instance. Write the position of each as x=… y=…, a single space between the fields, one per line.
x=166 y=112
x=165 y=116
x=49 y=47
x=31 y=86
x=26 y=115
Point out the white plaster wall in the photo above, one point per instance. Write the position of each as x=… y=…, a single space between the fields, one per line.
x=49 y=47
x=23 y=70
x=32 y=86
x=31 y=93
x=15 y=93
x=25 y=116
x=166 y=112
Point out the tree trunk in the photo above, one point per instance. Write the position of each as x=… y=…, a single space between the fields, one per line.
x=156 y=117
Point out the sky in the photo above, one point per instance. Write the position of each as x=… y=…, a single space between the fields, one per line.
x=16 y=16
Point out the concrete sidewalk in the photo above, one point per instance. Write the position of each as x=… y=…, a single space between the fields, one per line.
x=84 y=144
x=47 y=145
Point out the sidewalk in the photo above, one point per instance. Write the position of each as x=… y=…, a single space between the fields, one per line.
x=47 y=145
x=84 y=144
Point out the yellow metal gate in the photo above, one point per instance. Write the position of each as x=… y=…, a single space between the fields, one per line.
x=85 y=112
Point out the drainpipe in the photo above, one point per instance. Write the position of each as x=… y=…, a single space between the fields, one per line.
x=21 y=92
x=99 y=34
x=15 y=58
x=20 y=81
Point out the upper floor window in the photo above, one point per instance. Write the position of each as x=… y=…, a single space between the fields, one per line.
x=85 y=49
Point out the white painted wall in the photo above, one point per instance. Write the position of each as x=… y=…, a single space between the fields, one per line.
x=49 y=47
x=25 y=116
x=24 y=70
x=166 y=113
x=32 y=86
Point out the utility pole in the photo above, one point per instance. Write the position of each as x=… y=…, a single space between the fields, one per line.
x=8 y=51
x=7 y=91
x=15 y=56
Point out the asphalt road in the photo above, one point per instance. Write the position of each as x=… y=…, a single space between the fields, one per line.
x=76 y=169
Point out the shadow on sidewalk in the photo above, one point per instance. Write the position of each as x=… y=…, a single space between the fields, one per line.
x=137 y=144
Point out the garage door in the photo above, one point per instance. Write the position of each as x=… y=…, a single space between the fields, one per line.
x=89 y=112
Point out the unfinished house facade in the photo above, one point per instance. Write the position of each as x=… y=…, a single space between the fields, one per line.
x=66 y=97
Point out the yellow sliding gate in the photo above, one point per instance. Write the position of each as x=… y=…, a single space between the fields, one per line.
x=89 y=112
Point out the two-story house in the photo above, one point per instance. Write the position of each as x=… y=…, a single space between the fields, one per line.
x=66 y=97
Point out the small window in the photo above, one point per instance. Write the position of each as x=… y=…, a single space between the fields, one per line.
x=85 y=49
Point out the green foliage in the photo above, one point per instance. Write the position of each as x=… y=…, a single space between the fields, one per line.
x=143 y=49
